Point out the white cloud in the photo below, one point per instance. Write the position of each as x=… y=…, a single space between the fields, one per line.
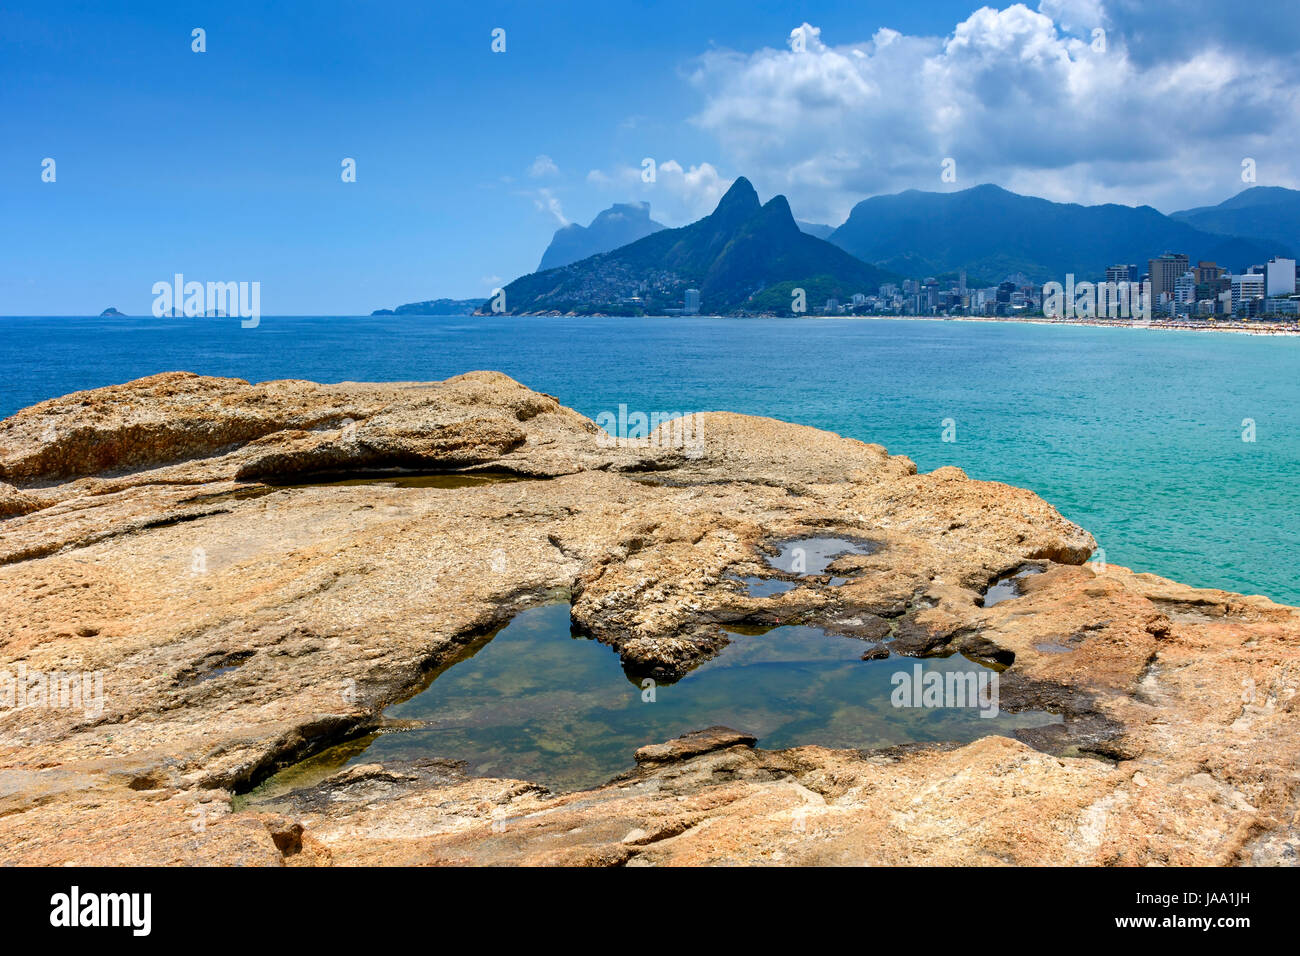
x=677 y=195
x=546 y=201
x=1016 y=96
x=543 y=166
x=1075 y=16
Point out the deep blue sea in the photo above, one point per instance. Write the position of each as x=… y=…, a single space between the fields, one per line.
x=1136 y=434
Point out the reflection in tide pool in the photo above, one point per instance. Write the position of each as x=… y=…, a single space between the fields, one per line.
x=536 y=702
x=815 y=555
x=1008 y=587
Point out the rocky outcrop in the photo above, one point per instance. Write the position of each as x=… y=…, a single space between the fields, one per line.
x=172 y=536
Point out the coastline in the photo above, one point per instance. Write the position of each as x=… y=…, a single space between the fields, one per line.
x=1270 y=328
x=1285 y=329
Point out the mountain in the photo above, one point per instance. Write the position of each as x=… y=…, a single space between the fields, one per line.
x=434 y=307
x=815 y=229
x=1268 y=212
x=987 y=230
x=738 y=251
x=616 y=226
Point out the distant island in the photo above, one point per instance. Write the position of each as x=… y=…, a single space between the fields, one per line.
x=110 y=311
x=435 y=307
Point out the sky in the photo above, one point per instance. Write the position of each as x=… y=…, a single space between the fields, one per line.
x=227 y=164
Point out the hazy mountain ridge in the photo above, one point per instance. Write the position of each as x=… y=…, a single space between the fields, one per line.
x=991 y=231
x=1265 y=212
x=820 y=230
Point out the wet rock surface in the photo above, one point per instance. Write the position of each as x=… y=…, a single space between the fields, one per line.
x=162 y=535
x=694 y=744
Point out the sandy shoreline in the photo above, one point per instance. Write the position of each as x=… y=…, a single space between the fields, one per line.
x=1272 y=328
x=1269 y=328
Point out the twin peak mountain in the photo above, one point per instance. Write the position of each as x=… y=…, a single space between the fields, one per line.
x=745 y=256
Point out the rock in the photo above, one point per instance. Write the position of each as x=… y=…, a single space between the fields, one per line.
x=286 y=834
x=166 y=535
x=14 y=502
x=1158 y=626
x=693 y=744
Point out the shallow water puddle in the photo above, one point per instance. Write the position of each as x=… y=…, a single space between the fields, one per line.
x=763 y=587
x=1008 y=587
x=814 y=555
x=535 y=702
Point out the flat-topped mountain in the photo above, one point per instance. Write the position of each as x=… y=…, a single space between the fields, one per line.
x=743 y=249
x=616 y=226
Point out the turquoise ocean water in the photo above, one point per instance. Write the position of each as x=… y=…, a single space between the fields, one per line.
x=1136 y=434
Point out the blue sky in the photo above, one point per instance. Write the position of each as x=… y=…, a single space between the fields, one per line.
x=225 y=165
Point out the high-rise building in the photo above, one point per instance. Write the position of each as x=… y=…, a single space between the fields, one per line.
x=1280 y=277
x=1207 y=272
x=1122 y=273
x=930 y=294
x=692 y=302
x=1185 y=291
x=1245 y=287
x=1165 y=271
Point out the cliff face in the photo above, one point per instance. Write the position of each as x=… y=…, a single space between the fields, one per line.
x=614 y=227
x=161 y=534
